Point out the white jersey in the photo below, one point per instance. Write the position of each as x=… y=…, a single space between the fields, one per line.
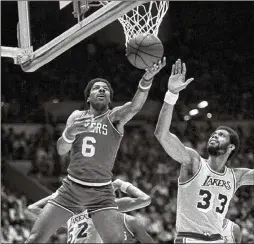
x=203 y=201
x=81 y=229
x=228 y=232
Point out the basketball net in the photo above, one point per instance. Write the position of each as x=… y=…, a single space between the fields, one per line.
x=143 y=19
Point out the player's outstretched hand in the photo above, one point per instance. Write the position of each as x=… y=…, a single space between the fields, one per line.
x=78 y=126
x=176 y=81
x=155 y=69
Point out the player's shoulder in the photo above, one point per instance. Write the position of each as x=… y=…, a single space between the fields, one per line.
x=239 y=172
x=77 y=113
x=74 y=115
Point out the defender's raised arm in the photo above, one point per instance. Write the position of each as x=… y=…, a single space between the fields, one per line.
x=172 y=145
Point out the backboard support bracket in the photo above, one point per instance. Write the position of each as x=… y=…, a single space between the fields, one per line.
x=19 y=55
x=31 y=61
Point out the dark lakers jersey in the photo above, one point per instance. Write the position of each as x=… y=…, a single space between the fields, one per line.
x=94 y=151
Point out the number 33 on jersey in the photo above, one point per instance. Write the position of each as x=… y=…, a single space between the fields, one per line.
x=93 y=151
x=203 y=200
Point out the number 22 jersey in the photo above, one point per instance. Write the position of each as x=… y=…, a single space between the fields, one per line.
x=203 y=201
x=81 y=230
x=94 y=151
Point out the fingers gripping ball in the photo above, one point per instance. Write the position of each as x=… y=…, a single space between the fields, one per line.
x=144 y=50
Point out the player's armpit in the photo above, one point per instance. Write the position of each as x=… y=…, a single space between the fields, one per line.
x=244 y=176
x=175 y=149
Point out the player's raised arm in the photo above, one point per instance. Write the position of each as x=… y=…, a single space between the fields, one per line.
x=138 y=199
x=244 y=177
x=74 y=126
x=172 y=145
x=121 y=115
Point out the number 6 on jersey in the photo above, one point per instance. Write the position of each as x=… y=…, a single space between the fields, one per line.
x=88 y=149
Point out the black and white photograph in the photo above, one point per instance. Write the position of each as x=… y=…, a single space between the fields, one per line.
x=127 y=122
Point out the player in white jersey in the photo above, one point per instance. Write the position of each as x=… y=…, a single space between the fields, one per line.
x=231 y=232
x=205 y=186
x=81 y=228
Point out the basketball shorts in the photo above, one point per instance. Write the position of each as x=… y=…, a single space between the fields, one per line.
x=76 y=198
x=193 y=238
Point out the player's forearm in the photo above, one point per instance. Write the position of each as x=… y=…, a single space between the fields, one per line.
x=128 y=204
x=141 y=94
x=171 y=144
x=164 y=121
x=138 y=199
x=137 y=193
x=63 y=147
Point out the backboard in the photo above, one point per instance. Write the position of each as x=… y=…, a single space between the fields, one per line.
x=104 y=13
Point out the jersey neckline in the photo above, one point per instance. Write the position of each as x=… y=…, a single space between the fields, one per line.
x=215 y=172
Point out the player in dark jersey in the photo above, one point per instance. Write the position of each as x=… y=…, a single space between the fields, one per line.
x=81 y=228
x=205 y=186
x=93 y=137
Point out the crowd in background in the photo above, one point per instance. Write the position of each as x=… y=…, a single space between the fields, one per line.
x=24 y=100
x=216 y=45
x=142 y=161
x=15 y=222
x=222 y=68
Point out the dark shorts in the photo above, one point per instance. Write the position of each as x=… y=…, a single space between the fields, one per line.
x=76 y=198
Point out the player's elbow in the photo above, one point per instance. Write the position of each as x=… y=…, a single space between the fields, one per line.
x=30 y=207
x=162 y=138
x=160 y=135
x=145 y=200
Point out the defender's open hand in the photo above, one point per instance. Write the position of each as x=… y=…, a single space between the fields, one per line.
x=176 y=81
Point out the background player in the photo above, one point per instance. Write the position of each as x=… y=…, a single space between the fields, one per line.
x=94 y=137
x=81 y=228
x=231 y=232
x=205 y=187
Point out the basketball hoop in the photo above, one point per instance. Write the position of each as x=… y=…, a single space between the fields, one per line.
x=143 y=19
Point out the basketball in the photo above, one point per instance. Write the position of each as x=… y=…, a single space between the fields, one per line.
x=144 y=50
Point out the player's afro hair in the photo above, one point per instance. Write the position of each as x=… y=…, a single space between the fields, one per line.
x=234 y=139
x=92 y=82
